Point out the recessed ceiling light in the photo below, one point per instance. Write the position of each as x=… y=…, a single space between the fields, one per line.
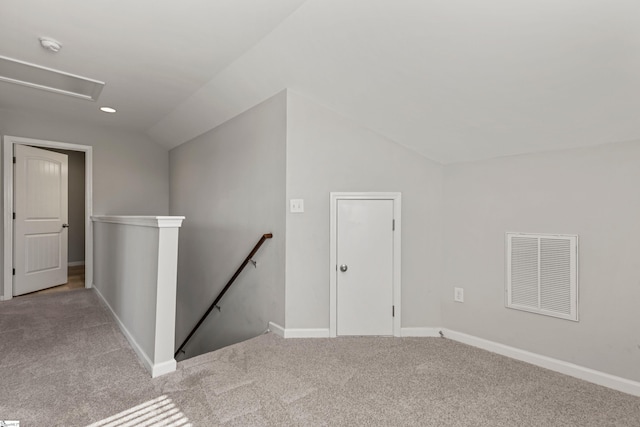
x=108 y=109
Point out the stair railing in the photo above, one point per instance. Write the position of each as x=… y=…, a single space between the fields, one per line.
x=248 y=259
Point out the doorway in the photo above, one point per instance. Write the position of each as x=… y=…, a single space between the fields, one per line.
x=8 y=190
x=365 y=260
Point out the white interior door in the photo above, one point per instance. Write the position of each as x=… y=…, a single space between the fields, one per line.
x=364 y=255
x=40 y=240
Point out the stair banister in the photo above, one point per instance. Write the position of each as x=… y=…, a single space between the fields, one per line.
x=224 y=290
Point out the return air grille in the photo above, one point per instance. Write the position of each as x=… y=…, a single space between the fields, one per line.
x=35 y=76
x=542 y=274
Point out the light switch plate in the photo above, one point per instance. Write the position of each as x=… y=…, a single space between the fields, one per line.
x=458 y=294
x=296 y=205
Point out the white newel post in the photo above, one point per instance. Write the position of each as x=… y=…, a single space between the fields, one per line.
x=136 y=264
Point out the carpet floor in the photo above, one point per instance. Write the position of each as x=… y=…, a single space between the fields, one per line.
x=64 y=362
x=75 y=280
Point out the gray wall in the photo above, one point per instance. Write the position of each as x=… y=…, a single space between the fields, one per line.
x=230 y=185
x=136 y=267
x=126 y=275
x=130 y=172
x=76 y=206
x=592 y=192
x=76 y=203
x=325 y=153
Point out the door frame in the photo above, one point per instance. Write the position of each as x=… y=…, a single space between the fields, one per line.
x=7 y=164
x=396 y=197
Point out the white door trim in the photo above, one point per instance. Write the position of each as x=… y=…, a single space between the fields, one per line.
x=7 y=164
x=397 y=262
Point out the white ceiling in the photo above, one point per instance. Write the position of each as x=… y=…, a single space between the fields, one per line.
x=152 y=54
x=455 y=80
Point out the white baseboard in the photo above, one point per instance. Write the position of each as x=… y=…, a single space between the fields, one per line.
x=298 y=333
x=163 y=368
x=420 y=332
x=75 y=263
x=306 y=333
x=276 y=329
x=607 y=380
x=155 y=370
x=324 y=333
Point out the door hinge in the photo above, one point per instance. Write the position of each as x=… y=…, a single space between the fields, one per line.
x=393 y=225
x=14 y=215
x=14 y=159
x=393 y=311
x=14 y=271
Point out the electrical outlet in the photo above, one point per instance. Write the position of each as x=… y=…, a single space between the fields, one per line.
x=458 y=294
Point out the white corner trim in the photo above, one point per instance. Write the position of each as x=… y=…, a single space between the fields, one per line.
x=155 y=370
x=597 y=377
x=141 y=220
x=276 y=329
x=421 y=332
x=163 y=368
x=306 y=333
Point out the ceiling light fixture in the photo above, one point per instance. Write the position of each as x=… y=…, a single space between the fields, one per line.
x=50 y=44
x=108 y=109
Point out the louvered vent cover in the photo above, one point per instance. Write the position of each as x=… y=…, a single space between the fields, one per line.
x=542 y=274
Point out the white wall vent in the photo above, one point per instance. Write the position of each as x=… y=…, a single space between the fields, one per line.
x=542 y=274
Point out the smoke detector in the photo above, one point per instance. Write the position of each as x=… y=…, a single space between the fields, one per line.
x=50 y=44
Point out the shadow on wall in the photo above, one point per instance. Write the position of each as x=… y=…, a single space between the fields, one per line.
x=238 y=316
x=231 y=185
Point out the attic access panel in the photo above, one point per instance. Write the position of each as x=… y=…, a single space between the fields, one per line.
x=35 y=76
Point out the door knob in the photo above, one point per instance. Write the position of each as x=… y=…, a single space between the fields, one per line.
x=65 y=225
x=343 y=268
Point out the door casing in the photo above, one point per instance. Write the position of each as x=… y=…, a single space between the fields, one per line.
x=7 y=164
x=397 y=245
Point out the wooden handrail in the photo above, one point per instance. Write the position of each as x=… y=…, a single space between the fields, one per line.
x=224 y=290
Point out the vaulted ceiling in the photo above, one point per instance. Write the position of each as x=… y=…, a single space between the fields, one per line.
x=454 y=80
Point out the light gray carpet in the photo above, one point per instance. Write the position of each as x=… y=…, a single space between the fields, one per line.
x=64 y=362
